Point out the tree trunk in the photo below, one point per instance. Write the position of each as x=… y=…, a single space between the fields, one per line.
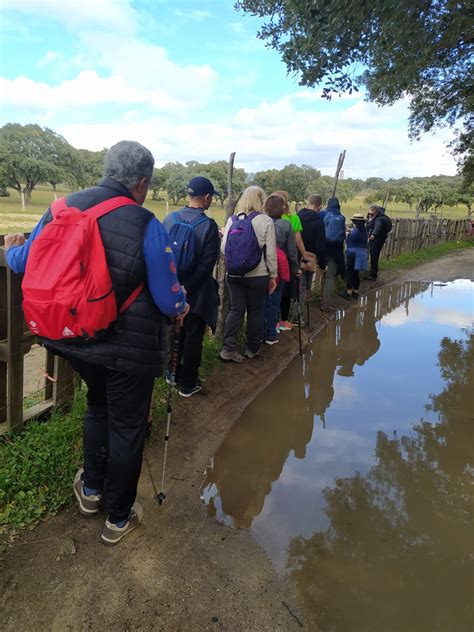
x=221 y=267
x=22 y=193
x=340 y=162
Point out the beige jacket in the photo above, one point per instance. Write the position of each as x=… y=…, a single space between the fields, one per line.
x=265 y=233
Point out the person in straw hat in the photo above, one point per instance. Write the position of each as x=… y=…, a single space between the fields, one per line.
x=356 y=256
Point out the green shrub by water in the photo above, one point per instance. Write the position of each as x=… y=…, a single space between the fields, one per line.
x=424 y=255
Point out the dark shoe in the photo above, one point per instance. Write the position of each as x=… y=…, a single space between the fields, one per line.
x=88 y=505
x=371 y=278
x=345 y=295
x=187 y=391
x=251 y=354
x=111 y=534
x=355 y=295
x=231 y=356
x=271 y=341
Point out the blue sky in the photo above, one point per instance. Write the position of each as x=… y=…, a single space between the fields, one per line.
x=191 y=81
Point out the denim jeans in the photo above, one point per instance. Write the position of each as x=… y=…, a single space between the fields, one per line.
x=272 y=310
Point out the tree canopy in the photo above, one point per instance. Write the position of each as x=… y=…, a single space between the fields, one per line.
x=395 y=48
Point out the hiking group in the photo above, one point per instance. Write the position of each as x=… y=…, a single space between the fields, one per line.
x=104 y=279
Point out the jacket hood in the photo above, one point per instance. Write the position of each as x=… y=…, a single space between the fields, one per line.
x=308 y=215
x=333 y=205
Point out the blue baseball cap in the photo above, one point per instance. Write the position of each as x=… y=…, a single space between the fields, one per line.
x=200 y=186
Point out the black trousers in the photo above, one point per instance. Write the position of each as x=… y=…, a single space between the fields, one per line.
x=115 y=426
x=247 y=294
x=375 y=247
x=190 y=350
x=336 y=252
x=352 y=275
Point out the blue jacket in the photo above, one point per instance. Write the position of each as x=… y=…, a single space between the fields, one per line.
x=357 y=244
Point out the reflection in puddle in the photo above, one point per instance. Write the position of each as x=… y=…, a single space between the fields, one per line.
x=353 y=468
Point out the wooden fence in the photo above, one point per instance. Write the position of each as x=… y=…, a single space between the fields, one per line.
x=407 y=235
x=15 y=342
x=411 y=235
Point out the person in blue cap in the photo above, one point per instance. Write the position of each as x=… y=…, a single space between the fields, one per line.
x=191 y=229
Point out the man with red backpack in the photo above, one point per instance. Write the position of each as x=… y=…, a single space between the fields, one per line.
x=195 y=242
x=107 y=237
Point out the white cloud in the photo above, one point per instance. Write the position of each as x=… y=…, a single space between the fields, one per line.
x=275 y=134
x=48 y=58
x=116 y=15
x=86 y=90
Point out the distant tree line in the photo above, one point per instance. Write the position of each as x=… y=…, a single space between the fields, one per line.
x=31 y=155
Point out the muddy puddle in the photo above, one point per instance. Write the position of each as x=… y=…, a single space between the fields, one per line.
x=353 y=470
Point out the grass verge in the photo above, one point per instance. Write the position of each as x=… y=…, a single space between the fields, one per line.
x=37 y=467
x=424 y=255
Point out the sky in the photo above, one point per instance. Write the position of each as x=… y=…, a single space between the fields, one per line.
x=191 y=81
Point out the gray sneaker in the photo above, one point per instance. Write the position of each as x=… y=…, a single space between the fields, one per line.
x=88 y=505
x=111 y=534
x=232 y=356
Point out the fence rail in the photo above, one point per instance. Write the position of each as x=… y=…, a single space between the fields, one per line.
x=407 y=235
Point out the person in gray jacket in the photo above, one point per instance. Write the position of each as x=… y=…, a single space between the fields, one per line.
x=248 y=293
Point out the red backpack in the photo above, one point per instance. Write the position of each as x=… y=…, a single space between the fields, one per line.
x=67 y=289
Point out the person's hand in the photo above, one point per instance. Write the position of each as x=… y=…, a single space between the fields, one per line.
x=371 y=238
x=299 y=273
x=14 y=239
x=180 y=317
x=272 y=284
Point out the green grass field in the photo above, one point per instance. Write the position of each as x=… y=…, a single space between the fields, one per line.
x=13 y=218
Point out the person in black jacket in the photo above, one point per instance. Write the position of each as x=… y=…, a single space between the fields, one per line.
x=378 y=227
x=314 y=238
x=200 y=285
x=119 y=367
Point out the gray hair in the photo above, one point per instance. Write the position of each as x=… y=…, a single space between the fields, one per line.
x=375 y=207
x=128 y=162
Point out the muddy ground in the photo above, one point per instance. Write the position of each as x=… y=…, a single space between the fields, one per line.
x=179 y=570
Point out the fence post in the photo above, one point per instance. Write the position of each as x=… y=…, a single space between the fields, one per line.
x=15 y=329
x=221 y=268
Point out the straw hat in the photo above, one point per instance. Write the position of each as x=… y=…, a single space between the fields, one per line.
x=358 y=216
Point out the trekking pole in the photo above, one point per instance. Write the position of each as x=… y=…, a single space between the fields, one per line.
x=322 y=279
x=173 y=367
x=308 y=289
x=299 y=312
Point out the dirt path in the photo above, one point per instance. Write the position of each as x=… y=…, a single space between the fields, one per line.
x=180 y=570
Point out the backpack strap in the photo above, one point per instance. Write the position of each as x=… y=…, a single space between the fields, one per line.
x=96 y=211
x=109 y=205
x=136 y=292
x=177 y=219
